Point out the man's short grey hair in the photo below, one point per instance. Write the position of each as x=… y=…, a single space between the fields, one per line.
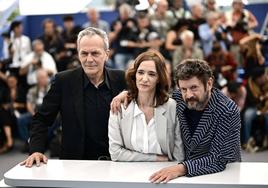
x=91 y=31
x=37 y=41
x=186 y=33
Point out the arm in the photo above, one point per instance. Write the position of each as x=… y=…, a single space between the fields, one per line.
x=116 y=146
x=30 y=108
x=224 y=148
x=3 y=76
x=50 y=65
x=24 y=69
x=39 y=127
x=178 y=152
x=252 y=21
x=45 y=117
x=171 y=36
x=29 y=102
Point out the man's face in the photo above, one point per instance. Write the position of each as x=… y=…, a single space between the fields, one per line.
x=238 y=6
x=92 y=55
x=194 y=93
x=93 y=15
x=38 y=48
x=42 y=79
x=188 y=42
x=68 y=24
x=19 y=29
x=49 y=29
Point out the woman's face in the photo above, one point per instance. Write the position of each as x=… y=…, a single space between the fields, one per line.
x=146 y=77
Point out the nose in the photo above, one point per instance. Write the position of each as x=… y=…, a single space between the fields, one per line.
x=189 y=94
x=89 y=57
x=144 y=77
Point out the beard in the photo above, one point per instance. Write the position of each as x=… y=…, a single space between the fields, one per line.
x=195 y=103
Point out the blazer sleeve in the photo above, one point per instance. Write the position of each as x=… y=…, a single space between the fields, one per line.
x=178 y=153
x=45 y=118
x=224 y=148
x=117 y=149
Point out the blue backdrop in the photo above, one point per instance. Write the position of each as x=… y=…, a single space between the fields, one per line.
x=33 y=24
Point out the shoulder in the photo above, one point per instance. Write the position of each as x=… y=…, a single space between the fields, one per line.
x=169 y=107
x=176 y=95
x=25 y=38
x=69 y=74
x=47 y=55
x=224 y=103
x=171 y=103
x=115 y=74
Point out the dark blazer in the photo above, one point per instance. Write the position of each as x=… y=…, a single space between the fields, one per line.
x=216 y=140
x=66 y=97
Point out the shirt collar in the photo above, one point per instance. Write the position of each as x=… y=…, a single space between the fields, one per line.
x=106 y=80
x=137 y=110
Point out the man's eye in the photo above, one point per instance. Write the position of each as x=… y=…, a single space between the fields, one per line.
x=183 y=90
x=95 y=54
x=193 y=88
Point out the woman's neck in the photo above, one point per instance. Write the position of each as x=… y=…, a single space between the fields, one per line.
x=146 y=99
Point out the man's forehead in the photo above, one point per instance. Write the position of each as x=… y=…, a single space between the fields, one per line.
x=92 y=42
x=93 y=49
x=190 y=82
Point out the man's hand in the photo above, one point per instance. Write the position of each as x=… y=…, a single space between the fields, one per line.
x=34 y=158
x=167 y=174
x=117 y=100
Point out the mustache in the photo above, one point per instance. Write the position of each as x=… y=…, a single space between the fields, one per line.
x=191 y=99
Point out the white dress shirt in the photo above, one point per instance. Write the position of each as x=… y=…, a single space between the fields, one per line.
x=143 y=136
x=48 y=64
x=22 y=47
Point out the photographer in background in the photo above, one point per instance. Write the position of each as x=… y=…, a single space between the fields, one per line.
x=240 y=16
x=39 y=58
x=241 y=22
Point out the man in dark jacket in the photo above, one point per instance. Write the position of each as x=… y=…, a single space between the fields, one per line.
x=82 y=97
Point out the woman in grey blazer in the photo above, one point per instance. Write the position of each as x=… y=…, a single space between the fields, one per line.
x=148 y=129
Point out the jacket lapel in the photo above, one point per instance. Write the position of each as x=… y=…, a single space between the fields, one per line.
x=205 y=122
x=202 y=128
x=184 y=125
x=127 y=124
x=77 y=85
x=161 y=127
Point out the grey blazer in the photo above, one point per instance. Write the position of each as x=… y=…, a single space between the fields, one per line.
x=168 y=134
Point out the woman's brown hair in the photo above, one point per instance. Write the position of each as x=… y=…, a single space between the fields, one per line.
x=162 y=87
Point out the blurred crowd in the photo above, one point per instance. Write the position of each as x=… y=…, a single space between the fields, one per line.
x=226 y=40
